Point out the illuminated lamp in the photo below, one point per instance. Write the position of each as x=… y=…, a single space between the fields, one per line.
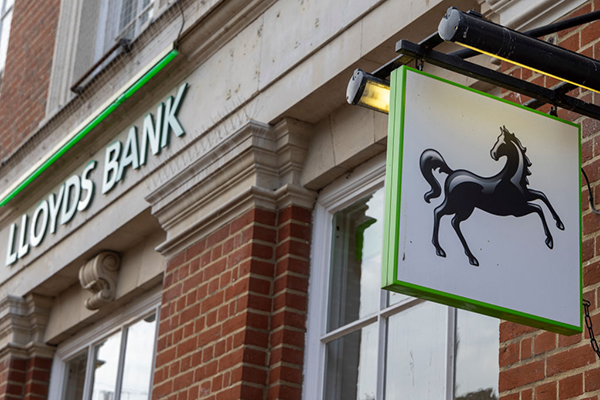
x=369 y=91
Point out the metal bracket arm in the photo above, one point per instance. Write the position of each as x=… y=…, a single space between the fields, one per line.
x=410 y=50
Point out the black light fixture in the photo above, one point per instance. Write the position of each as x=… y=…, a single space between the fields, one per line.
x=368 y=91
x=473 y=32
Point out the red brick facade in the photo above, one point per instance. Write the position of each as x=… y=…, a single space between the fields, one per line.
x=234 y=304
x=27 y=72
x=233 y=314
x=539 y=365
x=24 y=379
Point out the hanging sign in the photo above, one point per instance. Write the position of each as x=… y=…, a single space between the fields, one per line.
x=482 y=204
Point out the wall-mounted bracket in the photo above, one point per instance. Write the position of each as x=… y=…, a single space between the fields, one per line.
x=456 y=62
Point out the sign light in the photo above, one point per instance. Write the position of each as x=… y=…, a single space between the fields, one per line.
x=482 y=204
x=475 y=33
x=368 y=91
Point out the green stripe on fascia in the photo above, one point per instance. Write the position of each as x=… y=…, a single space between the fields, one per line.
x=105 y=113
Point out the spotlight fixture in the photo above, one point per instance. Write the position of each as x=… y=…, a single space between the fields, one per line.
x=369 y=91
x=470 y=30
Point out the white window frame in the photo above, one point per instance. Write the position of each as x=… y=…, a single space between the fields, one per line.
x=118 y=321
x=342 y=193
x=4 y=11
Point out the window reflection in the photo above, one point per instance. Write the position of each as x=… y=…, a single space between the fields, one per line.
x=76 y=377
x=138 y=359
x=356 y=261
x=416 y=354
x=352 y=366
x=477 y=339
x=106 y=363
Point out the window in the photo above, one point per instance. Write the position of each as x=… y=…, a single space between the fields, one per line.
x=102 y=25
x=135 y=17
x=373 y=344
x=113 y=361
x=6 y=8
x=89 y=37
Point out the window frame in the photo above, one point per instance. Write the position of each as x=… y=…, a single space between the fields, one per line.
x=342 y=193
x=138 y=27
x=118 y=321
x=4 y=12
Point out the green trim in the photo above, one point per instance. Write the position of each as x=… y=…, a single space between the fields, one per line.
x=483 y=308
x=580 y=236
x=392 y=217
x=83 y=132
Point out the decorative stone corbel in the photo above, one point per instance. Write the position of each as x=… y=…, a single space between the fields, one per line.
x=292 y=142
x=99 y=275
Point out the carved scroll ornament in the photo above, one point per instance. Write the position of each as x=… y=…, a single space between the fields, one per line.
x=99 y=275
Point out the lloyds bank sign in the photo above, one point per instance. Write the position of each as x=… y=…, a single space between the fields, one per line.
x=77 y=192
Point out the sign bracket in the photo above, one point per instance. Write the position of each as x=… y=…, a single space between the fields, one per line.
x=425 y=51
x=409 y=51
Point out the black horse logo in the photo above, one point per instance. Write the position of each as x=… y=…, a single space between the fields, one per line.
x=505 y=193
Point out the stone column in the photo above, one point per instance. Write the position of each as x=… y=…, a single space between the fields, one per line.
x=25 y=361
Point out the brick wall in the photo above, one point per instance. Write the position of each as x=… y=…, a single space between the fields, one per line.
x=233 y=311
x=24 y=379
x=539 y=365
x=37 y=378
x=27 y=72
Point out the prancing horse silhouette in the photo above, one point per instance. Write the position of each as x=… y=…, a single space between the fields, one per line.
x=505 y=193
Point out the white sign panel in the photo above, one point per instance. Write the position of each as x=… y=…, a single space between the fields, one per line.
x=483 y=204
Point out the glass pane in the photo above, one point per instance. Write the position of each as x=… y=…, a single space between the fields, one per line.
x=356 y=261
x=351 y=366
x=138 y=359
x=128 y=33
x=416 y=356
x=477 y=347
x=76 y=377
x=4 y=35
x=394 y=297
x=106 y=362
x=145 y=17
x=128 y=13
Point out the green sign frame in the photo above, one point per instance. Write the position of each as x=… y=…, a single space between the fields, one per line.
x=392 y=231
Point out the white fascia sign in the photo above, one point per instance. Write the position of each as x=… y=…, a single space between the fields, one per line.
x=483 y=204
x=77 y=192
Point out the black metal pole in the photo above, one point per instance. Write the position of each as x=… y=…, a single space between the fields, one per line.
x=472 y=70
x=505 y=43
x=543 y=30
